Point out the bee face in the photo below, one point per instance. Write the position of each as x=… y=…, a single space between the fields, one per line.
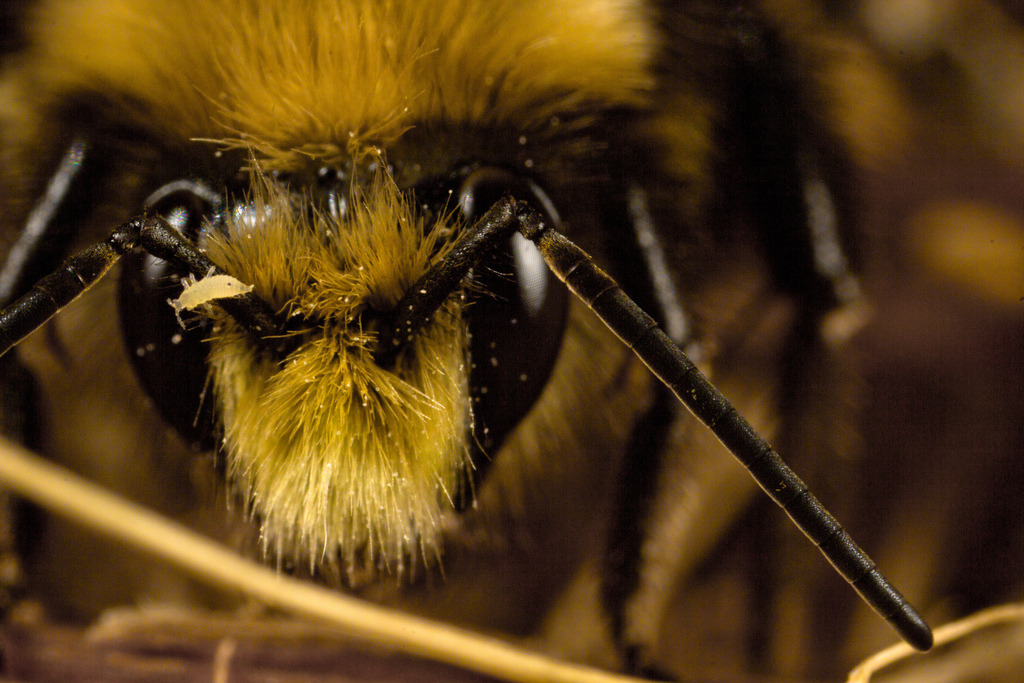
x=329 y=154
x=325 y=188
x=335 y=452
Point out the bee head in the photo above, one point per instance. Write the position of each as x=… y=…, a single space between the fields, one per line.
x=342 y=457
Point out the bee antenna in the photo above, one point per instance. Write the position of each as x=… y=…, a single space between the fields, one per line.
x=667 y=361
x=418 y=305
x=642 y=334
x=79 y=271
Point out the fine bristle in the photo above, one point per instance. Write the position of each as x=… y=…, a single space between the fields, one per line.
x=341 y=460
x=341 y=77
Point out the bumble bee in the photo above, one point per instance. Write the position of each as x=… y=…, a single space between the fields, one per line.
x=313 y=168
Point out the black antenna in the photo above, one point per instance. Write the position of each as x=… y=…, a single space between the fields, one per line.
x=641 y=333
x=79 y=271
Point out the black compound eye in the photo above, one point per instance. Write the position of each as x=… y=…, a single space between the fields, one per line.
x=516 y=318
x=185 y=204
x=169 y=361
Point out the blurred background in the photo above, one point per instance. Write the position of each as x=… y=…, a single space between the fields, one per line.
x=943 y=356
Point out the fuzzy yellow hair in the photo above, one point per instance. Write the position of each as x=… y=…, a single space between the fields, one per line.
x=341 y=460
x=336 y=78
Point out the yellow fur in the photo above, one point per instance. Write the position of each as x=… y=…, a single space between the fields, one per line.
x=337 y=78
x=341 y=460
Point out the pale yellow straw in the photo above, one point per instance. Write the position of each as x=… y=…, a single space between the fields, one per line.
x=67 y=494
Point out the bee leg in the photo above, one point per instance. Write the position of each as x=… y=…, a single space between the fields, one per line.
x=18 y=421
x=642 y=270
x=637 y=488
x=41 y=243
x=78 y=272
x=37 y=249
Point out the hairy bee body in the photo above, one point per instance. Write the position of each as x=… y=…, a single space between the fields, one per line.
x=320 y=128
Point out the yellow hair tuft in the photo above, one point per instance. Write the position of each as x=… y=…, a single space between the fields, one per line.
x=342 y=461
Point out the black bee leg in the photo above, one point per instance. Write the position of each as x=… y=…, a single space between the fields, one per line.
x=642 y=270
x=636 y=490
x=41 y=243
x=37 y=249
x=18 y=421
x=79 y=271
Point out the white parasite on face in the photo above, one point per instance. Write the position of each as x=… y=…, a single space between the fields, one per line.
x=199 y=292
x=339 y=459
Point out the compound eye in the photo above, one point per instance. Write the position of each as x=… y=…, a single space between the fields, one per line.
x=169 y=361
x=185 y=204
x=516 y=316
